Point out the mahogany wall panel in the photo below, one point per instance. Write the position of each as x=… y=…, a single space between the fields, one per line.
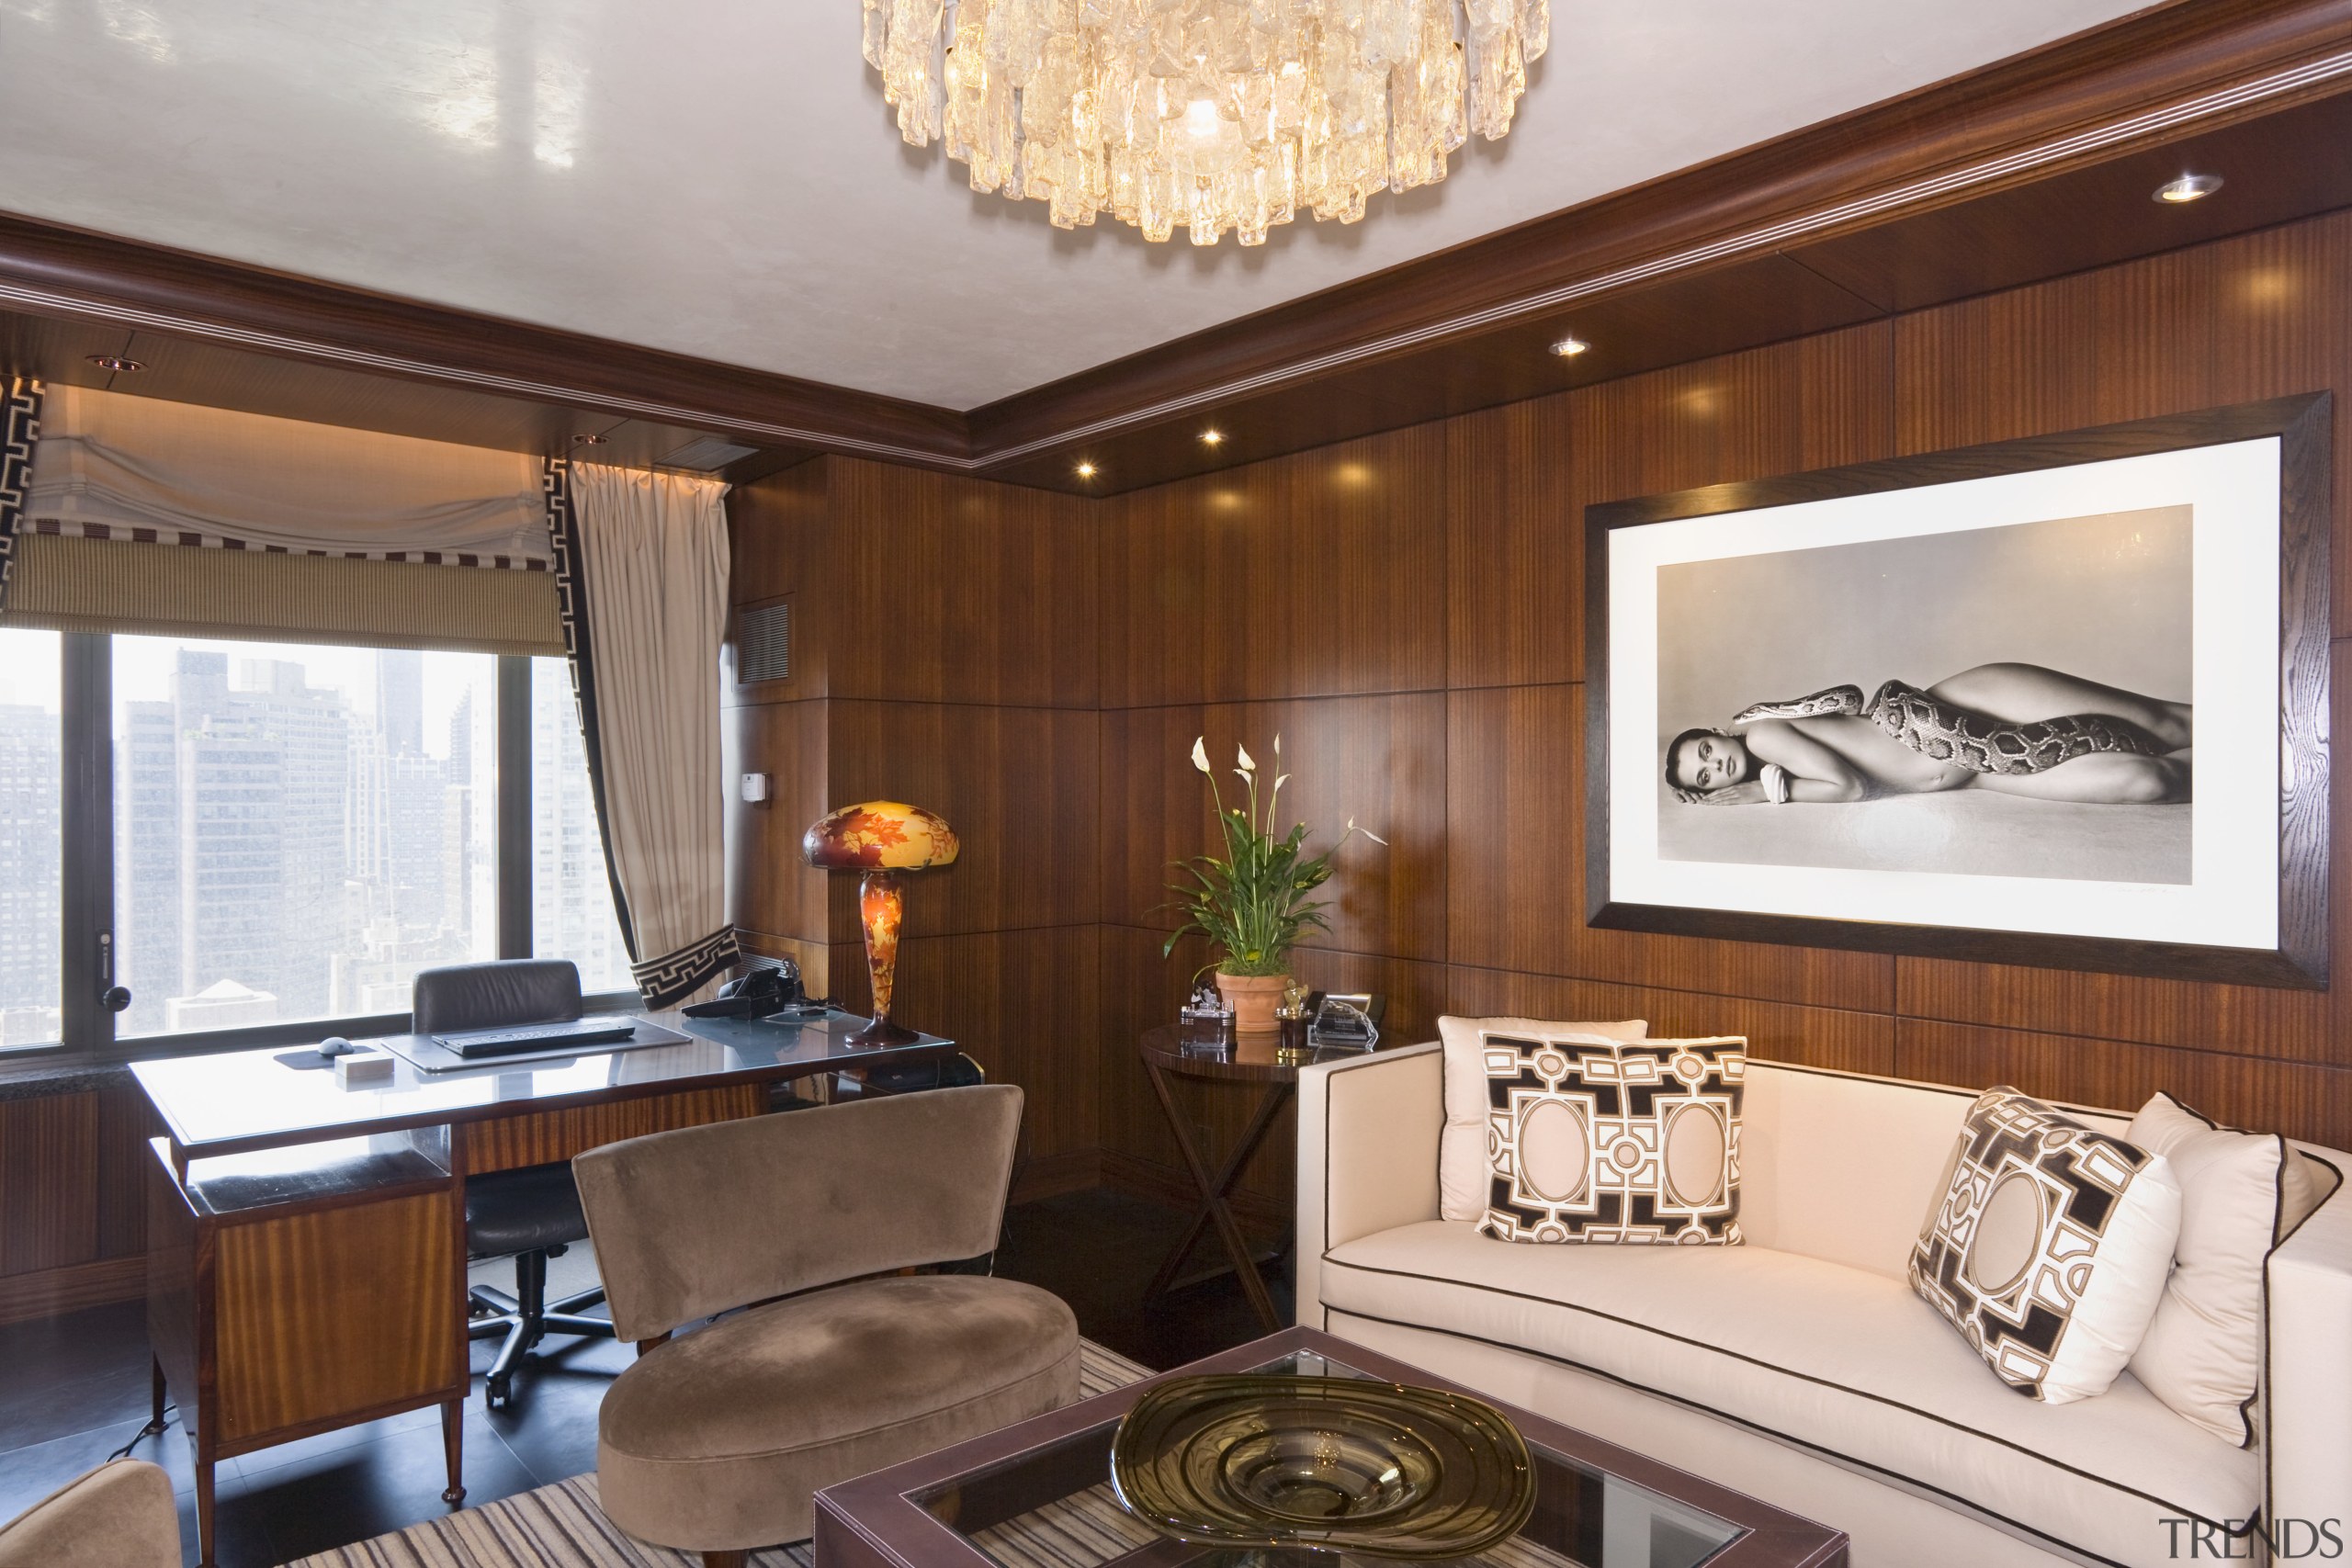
x=1819 y=1037
x=1515 y=872
x=770 y=889
x=781 y=529
x=2296 y=1099
x=48 y=1161
x=1514 y=550
x=1378 y=759
x=960 y=591
x=1306 y=576
x=2259 y=316
x=1026 y=1005
x=1018 y=785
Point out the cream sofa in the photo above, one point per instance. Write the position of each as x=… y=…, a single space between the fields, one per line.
x=1800 y=1368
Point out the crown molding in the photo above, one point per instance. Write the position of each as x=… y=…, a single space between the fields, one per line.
x=2174 y=72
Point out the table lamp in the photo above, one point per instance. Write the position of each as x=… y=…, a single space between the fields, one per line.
x=884 y=840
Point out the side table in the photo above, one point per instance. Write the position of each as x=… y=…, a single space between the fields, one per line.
x=1171 y=1050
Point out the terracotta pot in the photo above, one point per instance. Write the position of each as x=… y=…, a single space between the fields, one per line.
x=1253 y=998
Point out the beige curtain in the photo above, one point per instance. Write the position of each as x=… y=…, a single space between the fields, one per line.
x=652 y=562
x=109 y=466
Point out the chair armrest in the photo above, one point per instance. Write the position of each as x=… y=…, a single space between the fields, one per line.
x=2308 y=1367
x=1368 y=1132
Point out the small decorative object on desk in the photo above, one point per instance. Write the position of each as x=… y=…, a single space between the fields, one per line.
x=1254 y=902
x=883 y=838
x=1206 y=1006
x=1346 y=1021
x=1329 y=1464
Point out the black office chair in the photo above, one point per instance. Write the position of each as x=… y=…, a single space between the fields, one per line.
x=533 y=1214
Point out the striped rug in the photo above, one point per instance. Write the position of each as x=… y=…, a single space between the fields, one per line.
x=561 y=1525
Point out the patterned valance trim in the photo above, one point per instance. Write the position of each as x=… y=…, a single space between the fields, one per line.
x=74 y=530
x=19 y=428
x=675 y=977
x=571 y=606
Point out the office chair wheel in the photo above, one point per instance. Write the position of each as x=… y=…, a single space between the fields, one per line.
x=498 y=1393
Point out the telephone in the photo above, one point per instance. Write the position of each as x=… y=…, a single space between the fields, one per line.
x=770 y=989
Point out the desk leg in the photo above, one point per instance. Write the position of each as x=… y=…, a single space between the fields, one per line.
x=453 y=1438
x=1213 y=1188
x=204 y=1512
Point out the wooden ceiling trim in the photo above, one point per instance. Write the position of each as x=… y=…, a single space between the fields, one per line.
x=2148 y=79
x=56 y=271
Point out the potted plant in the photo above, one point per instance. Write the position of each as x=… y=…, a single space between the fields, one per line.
x=1254 y=902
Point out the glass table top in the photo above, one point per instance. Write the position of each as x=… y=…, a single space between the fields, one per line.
x=244 y=1099
x=1053 y=1507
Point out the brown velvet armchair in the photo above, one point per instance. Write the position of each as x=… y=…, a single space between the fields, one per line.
x=716 y=1442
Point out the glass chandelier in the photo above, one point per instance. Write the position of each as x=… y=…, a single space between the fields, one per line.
x=1214 y=114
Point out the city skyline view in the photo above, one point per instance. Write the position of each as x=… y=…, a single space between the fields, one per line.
x=266 y=794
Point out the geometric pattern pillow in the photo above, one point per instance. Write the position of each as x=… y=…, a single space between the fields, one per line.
x=1614 y=1141
x=2047 y=1245
x=1463 y=1146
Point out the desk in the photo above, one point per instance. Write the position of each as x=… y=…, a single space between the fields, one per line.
x=1174 y=1049
x=306 y=1262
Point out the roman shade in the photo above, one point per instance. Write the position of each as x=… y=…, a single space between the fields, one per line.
x=109 y=466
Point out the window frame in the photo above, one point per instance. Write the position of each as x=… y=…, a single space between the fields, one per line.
x=87 y=902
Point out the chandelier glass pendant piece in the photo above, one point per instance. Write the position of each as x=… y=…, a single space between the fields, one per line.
x=1213 y=114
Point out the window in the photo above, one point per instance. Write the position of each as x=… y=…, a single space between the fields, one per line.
x=32 y=858
x=295 y=831
x=572 y=893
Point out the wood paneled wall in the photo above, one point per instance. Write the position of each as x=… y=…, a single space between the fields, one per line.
x=944 y=654
x=1404 y=611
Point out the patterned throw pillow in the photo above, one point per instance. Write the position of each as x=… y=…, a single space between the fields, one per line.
x=1614 y=1141
x=2048 y=1246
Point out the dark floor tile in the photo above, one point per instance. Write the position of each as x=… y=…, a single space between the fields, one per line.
x=71 y=1373
x=305 y=1448
x=32 y=1472
x=348 y=1495
x=240 y=1536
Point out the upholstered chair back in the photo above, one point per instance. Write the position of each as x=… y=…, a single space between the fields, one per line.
x=706 y=1219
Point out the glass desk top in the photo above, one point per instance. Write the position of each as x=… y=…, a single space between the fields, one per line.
x=234 y=1101
x=1052 y=1506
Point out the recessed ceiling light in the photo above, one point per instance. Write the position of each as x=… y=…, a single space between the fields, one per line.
x=1570 y=347
x=117 y=362
x=1086 y=470
x=587 y=438
x=1212 y=436
x=2188 y=188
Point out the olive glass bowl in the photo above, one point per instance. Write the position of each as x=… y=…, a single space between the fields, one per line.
x=1335 y=1464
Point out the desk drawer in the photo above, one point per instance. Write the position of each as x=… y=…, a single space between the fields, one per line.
x=540 y=1137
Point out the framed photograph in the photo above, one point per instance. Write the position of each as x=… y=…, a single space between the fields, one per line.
x=2058 y=702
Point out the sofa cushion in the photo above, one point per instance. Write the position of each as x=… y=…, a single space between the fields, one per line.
x=1461 y=1149
x=2240 y=1192
x=719 y=1438
x=2048 y=1246
x=1845 y=1362
x=1619 y=1140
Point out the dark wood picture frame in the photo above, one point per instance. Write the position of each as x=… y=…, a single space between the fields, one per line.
x=2303 y=425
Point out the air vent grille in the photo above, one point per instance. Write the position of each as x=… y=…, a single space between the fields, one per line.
x=704 y=455
x=764 y=644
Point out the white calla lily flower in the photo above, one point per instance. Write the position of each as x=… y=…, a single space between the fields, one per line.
x=1248 y=765
x=1201 y=753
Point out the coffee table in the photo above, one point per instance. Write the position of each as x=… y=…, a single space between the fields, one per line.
x=1038 y=1494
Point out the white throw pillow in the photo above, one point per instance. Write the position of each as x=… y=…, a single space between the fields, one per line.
x=2047 y=1245
x=2241 y=1193
x=1462 y=1151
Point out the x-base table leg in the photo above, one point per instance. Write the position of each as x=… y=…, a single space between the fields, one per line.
x=1214 y=1208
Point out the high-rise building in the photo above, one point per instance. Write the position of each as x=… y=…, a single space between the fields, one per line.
x=571 y=900
x=147 y=861
x=400 y=701
x=30 y=867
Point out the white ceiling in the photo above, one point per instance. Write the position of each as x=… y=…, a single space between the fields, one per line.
x=722 y=178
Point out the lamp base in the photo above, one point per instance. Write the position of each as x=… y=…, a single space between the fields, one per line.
x=882 y=1032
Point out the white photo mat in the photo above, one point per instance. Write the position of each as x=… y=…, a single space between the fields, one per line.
x=2232 y=898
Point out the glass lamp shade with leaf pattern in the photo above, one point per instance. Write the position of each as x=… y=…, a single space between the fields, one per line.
x=884 y=840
